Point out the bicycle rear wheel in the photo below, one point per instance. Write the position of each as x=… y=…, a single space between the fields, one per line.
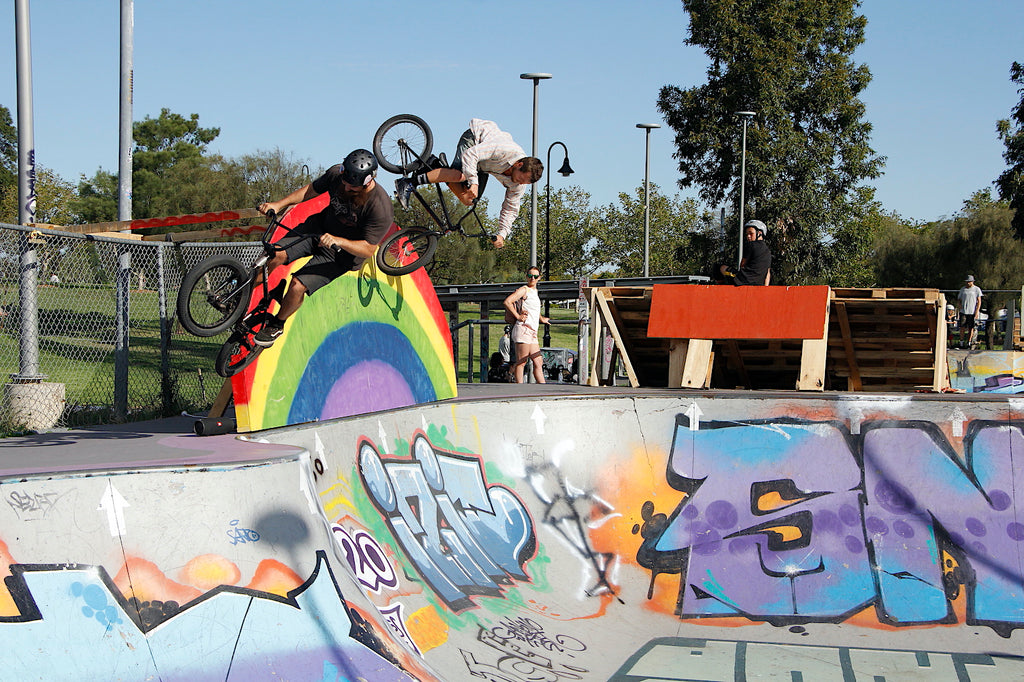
x=403 y=130
x=213 y=295
x=406 y=250
x=237 y=353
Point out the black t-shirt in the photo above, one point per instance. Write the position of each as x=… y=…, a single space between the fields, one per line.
x=370 y=221
x=758 y=259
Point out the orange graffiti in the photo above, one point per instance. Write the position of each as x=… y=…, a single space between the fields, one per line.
x=427 y=629
x=143 y=580
x=7 y=605
x=207 y=571
x=774 y=500
x=274 y=577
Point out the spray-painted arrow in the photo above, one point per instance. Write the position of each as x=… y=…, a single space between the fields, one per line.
x=539 y=418
x=694 y=413
x=957 y=418
x=114 y=505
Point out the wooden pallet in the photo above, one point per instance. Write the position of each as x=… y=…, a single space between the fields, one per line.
x=887 y=340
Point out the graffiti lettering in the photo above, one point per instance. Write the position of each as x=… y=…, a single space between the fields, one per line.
x=366 y=559
x=394 y=619
x=29 y=506
x=529 y=632
x=890 y=518
x=517 y=664
x=242 y=535
x=464 y=537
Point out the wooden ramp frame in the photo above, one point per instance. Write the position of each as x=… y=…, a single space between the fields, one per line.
x=878 y=340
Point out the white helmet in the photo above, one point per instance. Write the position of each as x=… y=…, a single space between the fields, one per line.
x=757 y=225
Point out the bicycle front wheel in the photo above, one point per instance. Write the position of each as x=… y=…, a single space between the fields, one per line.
x=406 y=250
x=237 y=353
x=401 y=142
x=213 y=295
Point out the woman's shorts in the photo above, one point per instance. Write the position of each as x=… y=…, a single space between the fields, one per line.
x=523 y=334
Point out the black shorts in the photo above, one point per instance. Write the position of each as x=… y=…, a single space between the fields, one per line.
x=968 y=322
x=325 y=265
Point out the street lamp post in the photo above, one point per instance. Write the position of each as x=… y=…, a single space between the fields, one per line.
x=647 y=127
x=565 y=171
x=746 y=116
x=536 y=78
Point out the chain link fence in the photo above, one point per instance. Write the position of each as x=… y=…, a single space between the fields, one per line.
x=109 y=346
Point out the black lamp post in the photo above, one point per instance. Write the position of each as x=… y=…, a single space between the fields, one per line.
x=565 y=171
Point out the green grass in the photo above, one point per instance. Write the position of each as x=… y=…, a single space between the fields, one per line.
x=78 y=328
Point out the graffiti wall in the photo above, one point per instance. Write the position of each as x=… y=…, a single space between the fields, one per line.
x=203 y=574
x=521 y=538
x=684 y=536
x=986 y=371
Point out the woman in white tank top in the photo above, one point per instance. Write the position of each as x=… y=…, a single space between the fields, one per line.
x=524 y=305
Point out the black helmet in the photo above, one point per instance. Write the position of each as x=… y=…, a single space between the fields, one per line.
x=358 y=168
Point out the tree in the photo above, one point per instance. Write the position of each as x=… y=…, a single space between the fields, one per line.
x=268 y=175
x=1011 y=181
x=161 y=144
x=808 y=148
x=979 y=240
x=620 y=234
x=8 y=152
x=54 y=200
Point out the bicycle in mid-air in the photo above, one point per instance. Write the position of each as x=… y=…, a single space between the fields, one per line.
x=402 y=145
x=215 y=296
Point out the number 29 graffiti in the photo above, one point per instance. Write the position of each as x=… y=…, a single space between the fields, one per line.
x=464 y=537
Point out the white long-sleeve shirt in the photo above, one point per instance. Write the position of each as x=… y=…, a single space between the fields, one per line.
x=495 y=152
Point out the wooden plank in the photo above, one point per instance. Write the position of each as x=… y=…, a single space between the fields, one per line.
x=812 y=361
x=940 y=374
x=676 y=361
x=223 y=399
x=596 y=341
x=236 y=231
x=851 y=357
x=691 y=311
x=167 y=221
x=697 y=367
x=619 y=342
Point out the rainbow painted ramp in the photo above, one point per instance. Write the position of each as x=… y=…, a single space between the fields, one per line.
x=365 y=342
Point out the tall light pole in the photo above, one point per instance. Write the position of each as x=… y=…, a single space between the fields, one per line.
x=566 y=171
x=746 y=116
x=647 y=196
x=536 y=78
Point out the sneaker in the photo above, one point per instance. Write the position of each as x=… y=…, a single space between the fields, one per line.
x=403 y=190
x=266 y=337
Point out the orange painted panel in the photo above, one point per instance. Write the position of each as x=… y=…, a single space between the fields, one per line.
x=693 y=311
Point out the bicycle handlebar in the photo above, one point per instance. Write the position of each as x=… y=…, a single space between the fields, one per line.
x=272 y=216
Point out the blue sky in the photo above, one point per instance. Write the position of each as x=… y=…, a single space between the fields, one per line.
x=316 y=77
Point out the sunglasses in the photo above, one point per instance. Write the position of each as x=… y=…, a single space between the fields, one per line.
x=533 y=277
